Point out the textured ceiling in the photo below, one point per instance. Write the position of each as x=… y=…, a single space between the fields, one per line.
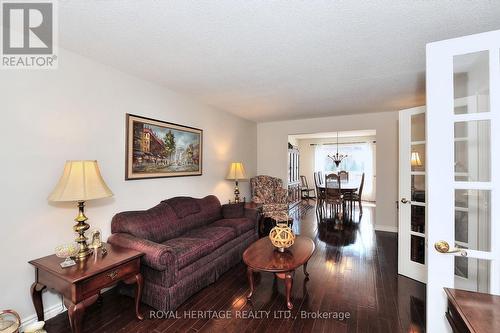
x=273 y=60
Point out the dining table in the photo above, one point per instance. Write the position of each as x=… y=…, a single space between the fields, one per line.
x=346 y=186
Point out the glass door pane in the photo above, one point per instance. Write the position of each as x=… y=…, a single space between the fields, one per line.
x=418 y=127
x=472 y=163
x=417 y=162
x=418 y=157
x=472 y=151
x=472 y=219
x=417 y=249
x=418 y=219
x=418 y=188
x=471 y=83
x=472 y=274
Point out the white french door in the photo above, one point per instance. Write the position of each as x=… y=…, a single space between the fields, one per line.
x=412 y=257
x=463 y=169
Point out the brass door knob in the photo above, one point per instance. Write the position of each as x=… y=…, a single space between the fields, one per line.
x=443 y=247
x=405 y=201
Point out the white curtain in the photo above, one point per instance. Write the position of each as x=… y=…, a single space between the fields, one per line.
x=361 y=158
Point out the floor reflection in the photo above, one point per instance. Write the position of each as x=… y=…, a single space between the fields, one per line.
x=363 y=264
x=337 y=233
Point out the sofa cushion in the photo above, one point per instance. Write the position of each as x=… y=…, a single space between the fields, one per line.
x=239 y=225
x=195 y=212
x=216 y=235
x=187 y=250
x=184 y=206
x=155 y=224
x=222 y=252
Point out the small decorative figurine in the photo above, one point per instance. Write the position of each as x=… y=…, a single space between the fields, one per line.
x=96 y=239
x=104 y=251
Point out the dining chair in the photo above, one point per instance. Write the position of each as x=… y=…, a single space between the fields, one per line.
x=319 y=190
x=333 y=194
x=320 y=177
x=344 y=175
x=305 y=190
x=357 y=196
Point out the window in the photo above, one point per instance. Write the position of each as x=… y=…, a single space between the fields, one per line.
x=360 y=158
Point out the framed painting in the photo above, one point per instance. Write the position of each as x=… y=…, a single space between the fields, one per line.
x=158 y=149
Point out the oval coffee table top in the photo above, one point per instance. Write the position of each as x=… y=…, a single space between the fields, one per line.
x=263 y=256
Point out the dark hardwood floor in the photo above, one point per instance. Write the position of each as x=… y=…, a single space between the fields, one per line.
x=353 y=280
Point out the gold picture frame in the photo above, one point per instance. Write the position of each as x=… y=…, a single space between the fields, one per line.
x=158 y=149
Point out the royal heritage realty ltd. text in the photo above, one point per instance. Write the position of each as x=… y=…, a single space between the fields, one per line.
x=228 y=314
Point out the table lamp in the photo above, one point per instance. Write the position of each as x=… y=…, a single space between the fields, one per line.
x=236 y=173
x=415 y=159
x=81 y=181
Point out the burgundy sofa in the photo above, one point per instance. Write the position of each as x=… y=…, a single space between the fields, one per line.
x=188 y=244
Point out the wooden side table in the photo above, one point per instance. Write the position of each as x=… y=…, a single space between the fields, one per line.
x=472 y=312
x=80 y=285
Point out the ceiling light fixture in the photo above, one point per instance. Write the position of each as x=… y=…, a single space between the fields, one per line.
x=337 y=158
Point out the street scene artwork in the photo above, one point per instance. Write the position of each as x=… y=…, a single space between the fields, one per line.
x=160 y=149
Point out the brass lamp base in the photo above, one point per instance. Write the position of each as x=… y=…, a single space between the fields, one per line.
x=236 y=192
x=80 y=227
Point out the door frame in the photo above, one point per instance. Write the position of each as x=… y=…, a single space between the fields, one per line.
x=406 y=266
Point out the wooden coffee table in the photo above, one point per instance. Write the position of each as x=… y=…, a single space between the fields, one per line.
x=264 y=257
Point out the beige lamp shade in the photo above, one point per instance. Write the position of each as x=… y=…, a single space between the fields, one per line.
x=415 y=159
x=81 y=181
x=236 y=171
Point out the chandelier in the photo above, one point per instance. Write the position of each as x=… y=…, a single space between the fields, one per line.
x=337 y=158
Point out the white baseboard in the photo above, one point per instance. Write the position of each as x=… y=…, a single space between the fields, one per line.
x=50 y=312
x=386 y=228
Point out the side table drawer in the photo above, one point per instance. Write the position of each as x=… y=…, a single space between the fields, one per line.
x=109 y=277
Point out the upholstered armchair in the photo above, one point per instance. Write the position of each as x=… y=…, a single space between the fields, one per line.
x=269 y=192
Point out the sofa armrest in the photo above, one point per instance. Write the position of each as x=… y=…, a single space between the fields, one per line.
x=156 y=256
x=252 y=213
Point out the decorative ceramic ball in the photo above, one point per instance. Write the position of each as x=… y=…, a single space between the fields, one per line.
x=9 y=321
x=282 y=237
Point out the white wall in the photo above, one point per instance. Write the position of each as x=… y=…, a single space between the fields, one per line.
x=272 y=159
x=78 y=112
